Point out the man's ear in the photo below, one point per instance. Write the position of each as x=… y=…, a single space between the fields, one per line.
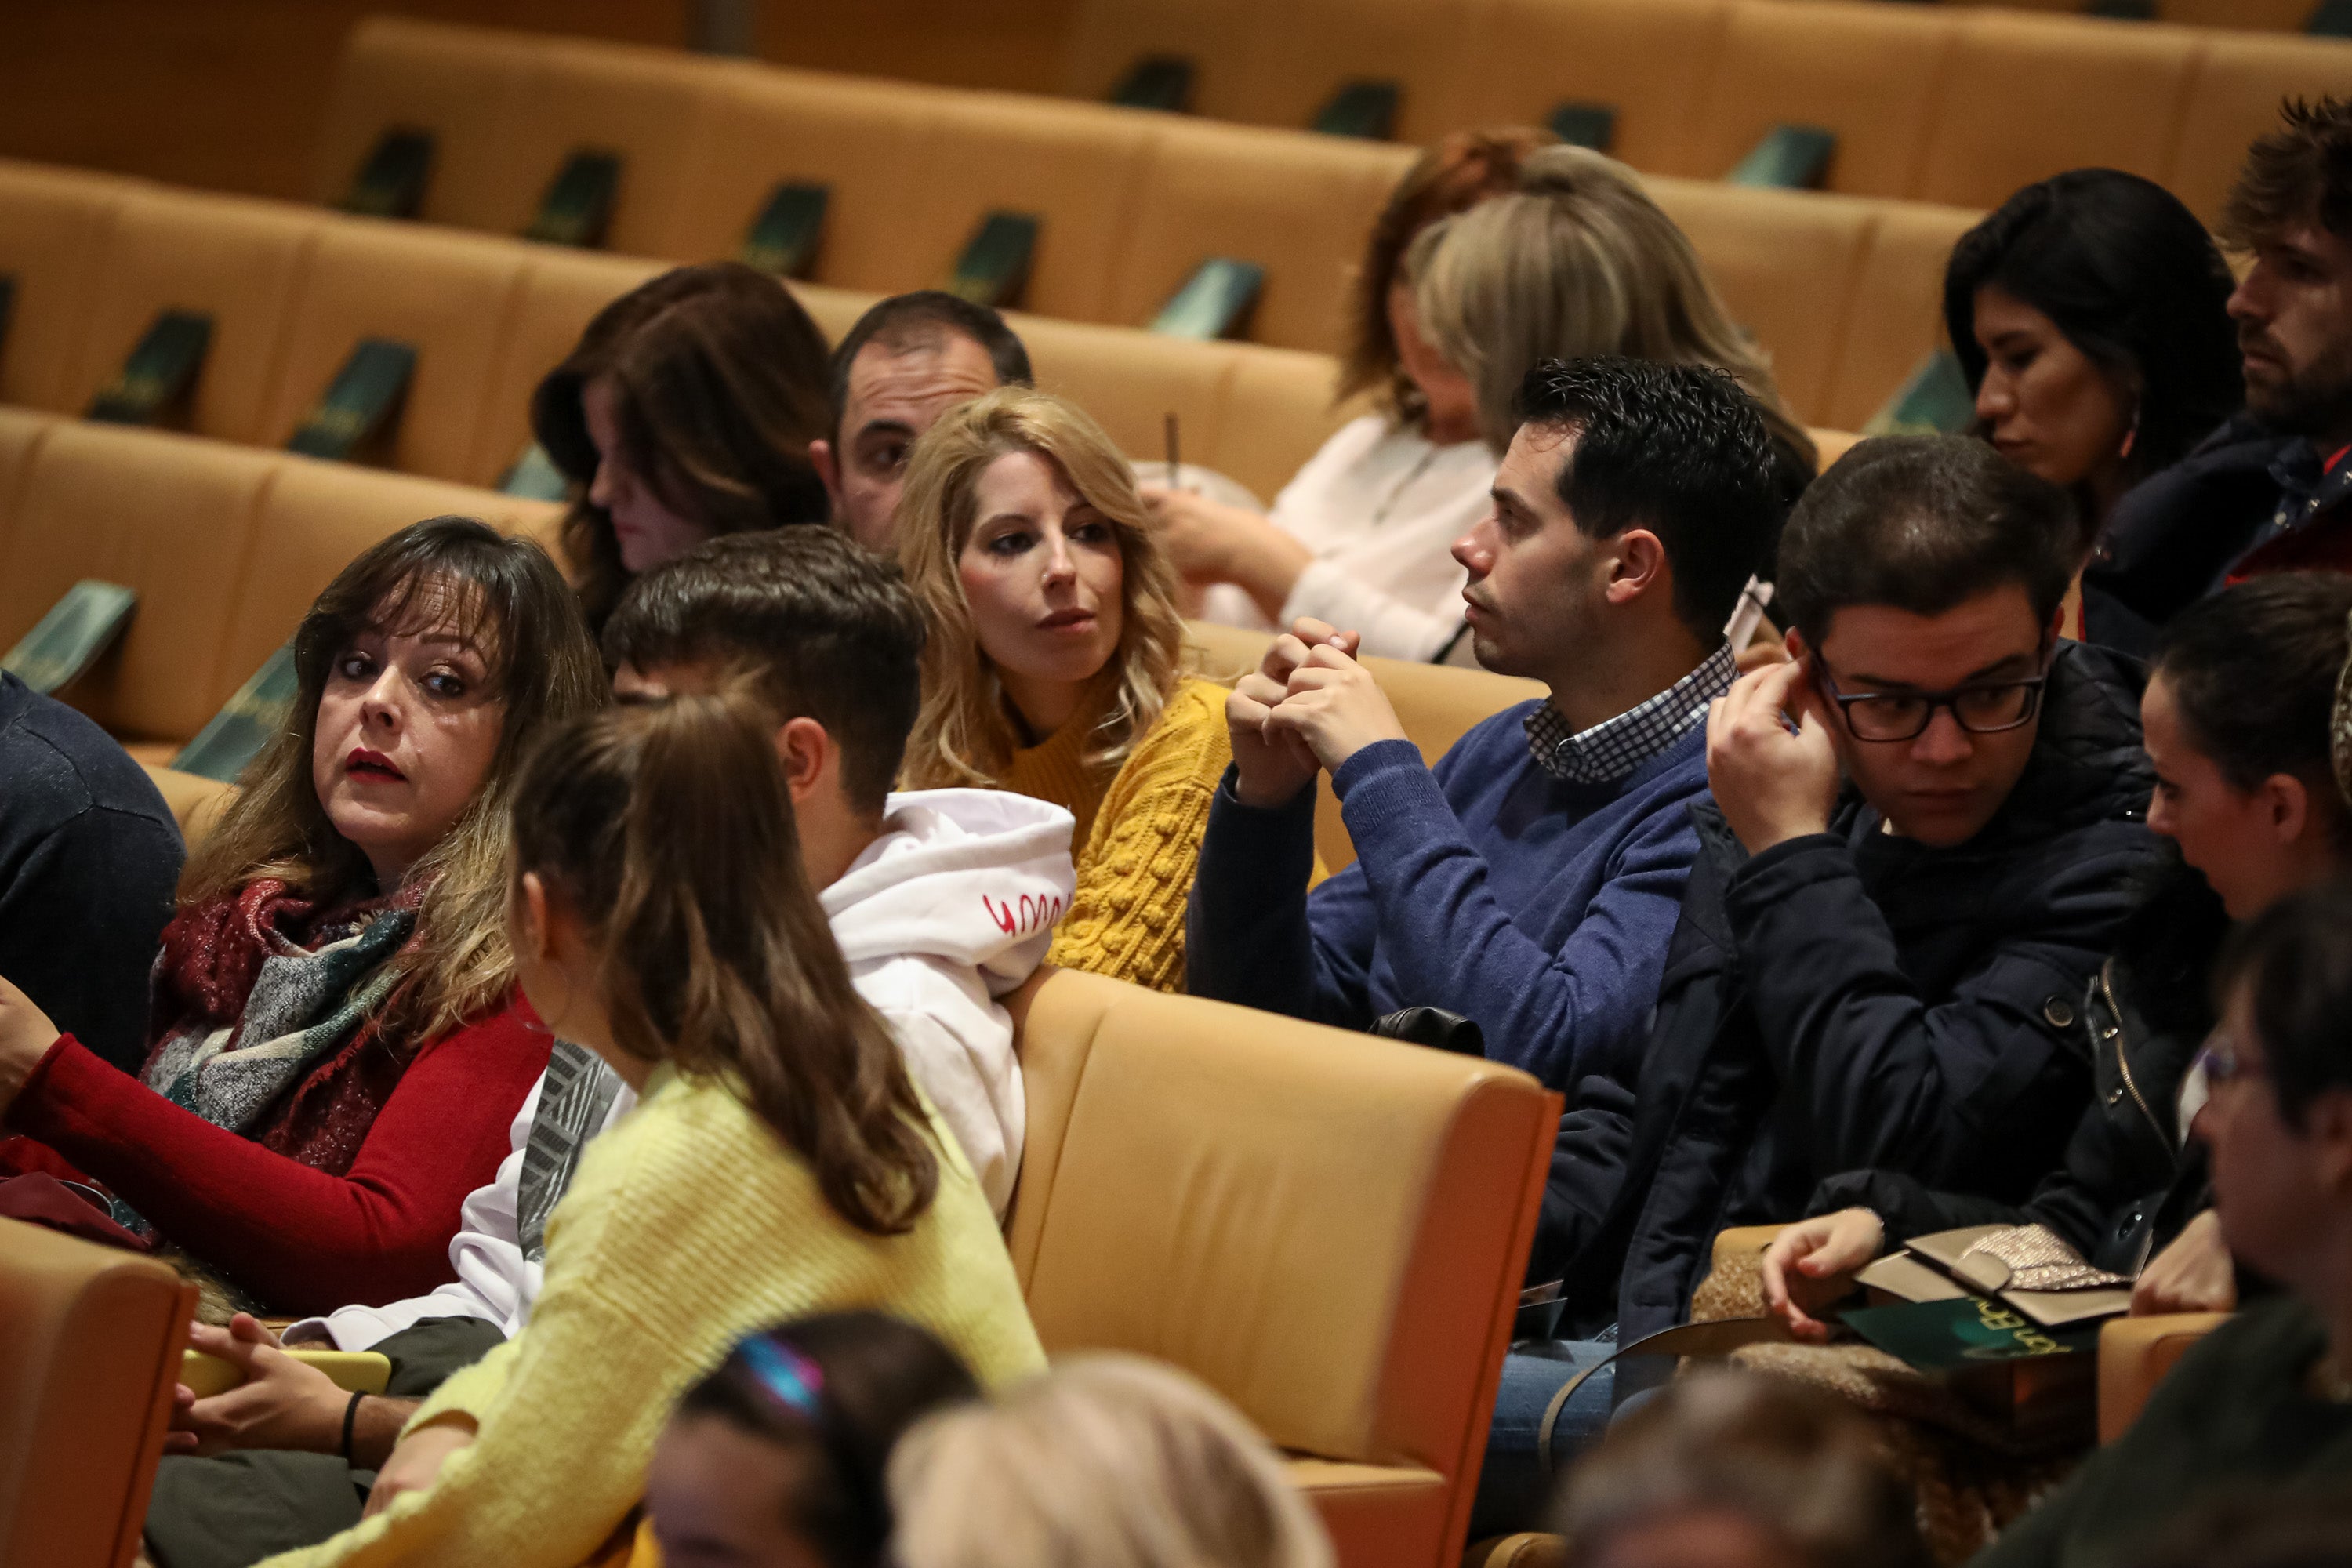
x=1638 y=566
x=2328 y=1131
x=828 y=469
x=2286 y=806
x=804 y=749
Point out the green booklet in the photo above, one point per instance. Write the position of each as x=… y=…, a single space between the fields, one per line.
x=1156 y=81
x=358 y=404
x=1367 y=110
x=994 y=267
x=69 y=640
x=160 y=373
x=578 y=205
x=1964 y=1332
x=1214 y=302
x=1593 y=125
x=1935 y=400
x=250 y=721
x=535 y=477
x=784 y=239
x=390 y=183
x=1790 y=157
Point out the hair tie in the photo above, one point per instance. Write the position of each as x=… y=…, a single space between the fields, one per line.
x=2339 y=727
x=793 y=1380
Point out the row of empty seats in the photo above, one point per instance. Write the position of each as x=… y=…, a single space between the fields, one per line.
x=1842 y=291
x=1953 y=104
x=95 y=259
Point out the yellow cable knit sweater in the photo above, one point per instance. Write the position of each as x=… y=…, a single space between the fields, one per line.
x=687 y=1227
x=1140 y=833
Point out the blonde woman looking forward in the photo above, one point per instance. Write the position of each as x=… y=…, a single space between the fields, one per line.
x=1053 y=666
x=1571 y=259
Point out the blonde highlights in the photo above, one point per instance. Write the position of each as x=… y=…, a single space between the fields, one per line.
x=965 y=734
x=1577 y=260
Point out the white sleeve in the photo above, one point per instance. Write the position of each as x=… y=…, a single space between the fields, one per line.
x=1393 y=628
x=963 y=1057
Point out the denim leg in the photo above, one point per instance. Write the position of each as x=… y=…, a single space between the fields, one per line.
x=1514 y=1486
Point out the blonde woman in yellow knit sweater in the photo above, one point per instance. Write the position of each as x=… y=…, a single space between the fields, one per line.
x=1056 y=665
x=778 y=1162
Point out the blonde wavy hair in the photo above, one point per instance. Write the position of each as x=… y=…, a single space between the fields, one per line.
x=1106 y=1461
x=507 y=599
x=1577 y=260
x=966 y=733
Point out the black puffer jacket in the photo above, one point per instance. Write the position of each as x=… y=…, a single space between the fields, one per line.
x=2128 y=1183
x=1852 y=999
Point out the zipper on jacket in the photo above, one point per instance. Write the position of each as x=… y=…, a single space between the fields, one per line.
x=2107 y=991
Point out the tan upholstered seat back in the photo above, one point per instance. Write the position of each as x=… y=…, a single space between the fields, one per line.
x=1317 y=1223
x=86 y=1373
x=54 y=228
x=560 y=293
x=2234 y=96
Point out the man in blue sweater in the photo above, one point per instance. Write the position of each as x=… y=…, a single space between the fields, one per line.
x=1530 y=881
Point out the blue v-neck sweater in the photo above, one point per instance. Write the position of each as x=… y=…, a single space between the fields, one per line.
x=1539 y=910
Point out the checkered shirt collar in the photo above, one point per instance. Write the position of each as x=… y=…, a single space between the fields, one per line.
x=1614 y=748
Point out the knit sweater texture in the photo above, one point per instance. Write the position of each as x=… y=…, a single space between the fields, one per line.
x=1139 y=832
x=689 y=1226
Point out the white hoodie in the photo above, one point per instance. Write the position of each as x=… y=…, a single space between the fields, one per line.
x=949 y=909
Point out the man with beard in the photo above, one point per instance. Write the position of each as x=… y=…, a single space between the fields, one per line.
x=2267 y=492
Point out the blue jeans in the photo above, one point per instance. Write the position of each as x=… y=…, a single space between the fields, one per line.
x=1516 y=1486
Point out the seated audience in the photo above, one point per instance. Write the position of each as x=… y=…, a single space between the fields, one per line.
x=2265 y=492
x=780 y=1162
x=1922 y=843
x=2090 y=315
x=1574 y=260
x=89 y=856
x=2237 y=719
x=779 y=1459
x=1112 y=1461
x=1530 y=882
x=1731 y=1470
x=1360 y=537
x=1054 y=664
x=907 y=361
x=688 y=410
x=2265 y=1399
x=911 y=885
x=337 y=1047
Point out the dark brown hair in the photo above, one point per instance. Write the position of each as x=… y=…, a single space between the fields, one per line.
x=2254 y=671
x=666 y=828
x=2299 y=174
x=718 y=383
x=511 y=603
x=828 y=630
x=1453 y=173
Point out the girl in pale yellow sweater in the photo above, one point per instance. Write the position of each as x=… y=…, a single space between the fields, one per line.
x=780 y=1162
x=1054 y=664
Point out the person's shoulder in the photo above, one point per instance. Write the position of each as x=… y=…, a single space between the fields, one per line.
x=1193 y=724
x=59 y=764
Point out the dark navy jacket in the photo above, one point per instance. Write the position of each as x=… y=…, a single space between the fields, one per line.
x=1852 y=999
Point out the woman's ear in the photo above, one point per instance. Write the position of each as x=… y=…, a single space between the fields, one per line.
x=2286 y=806
x=532 y=939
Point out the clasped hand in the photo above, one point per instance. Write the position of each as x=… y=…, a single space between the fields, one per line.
x=1772 y=782
x=1308 y=705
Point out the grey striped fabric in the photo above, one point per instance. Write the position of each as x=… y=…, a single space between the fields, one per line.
x=579 y=1091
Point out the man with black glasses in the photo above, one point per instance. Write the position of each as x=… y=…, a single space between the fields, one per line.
x=1924 y=832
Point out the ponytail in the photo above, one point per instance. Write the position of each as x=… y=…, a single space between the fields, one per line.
x=669 y=830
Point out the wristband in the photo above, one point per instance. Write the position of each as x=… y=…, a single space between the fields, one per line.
x=350 y=1416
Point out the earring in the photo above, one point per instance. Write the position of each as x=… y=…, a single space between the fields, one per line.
x=2131 y=436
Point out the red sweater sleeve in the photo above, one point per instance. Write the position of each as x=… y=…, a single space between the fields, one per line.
x=301 y=1240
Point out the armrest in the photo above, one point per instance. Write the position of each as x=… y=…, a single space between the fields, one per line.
x=355 y=1372
x=2134 y=1355
x=1516 y=1552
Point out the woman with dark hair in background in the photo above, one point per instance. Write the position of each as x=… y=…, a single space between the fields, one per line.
x=685 y=412
x=337 y=1047
x=2088 y=313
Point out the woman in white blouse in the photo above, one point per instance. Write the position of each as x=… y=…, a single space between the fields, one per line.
x=1476 y=282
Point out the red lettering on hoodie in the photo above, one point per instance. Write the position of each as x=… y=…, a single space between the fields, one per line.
x=1030 y=913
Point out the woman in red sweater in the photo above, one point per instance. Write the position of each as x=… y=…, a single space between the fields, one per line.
x=338 y=1047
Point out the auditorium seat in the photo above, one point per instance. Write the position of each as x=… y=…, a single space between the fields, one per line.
x=2234 y=98
x=1328 y=1229
x=1303 y=52
x=2025 y=97
x=1278 y=410
x=560 y=294
x=87 y=1370
x=2134 y=1354
x=54 y=227
x=195 y=802
x=1893 y=318
x=1105 y=41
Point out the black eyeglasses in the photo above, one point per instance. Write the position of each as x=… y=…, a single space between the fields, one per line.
x=1981 y=708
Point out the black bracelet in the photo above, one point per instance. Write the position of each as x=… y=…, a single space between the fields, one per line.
x=350 y=1415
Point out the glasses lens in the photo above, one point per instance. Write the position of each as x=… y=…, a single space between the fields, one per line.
x=1993 y=707
x=1885 y=718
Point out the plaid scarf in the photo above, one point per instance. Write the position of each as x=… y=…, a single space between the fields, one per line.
x=267 y=1011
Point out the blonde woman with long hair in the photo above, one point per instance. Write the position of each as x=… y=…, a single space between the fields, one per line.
x=1054 y=664
x=779 y=1160
x=337 y=1049
x=1106 y=1461
x=1569 y=261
